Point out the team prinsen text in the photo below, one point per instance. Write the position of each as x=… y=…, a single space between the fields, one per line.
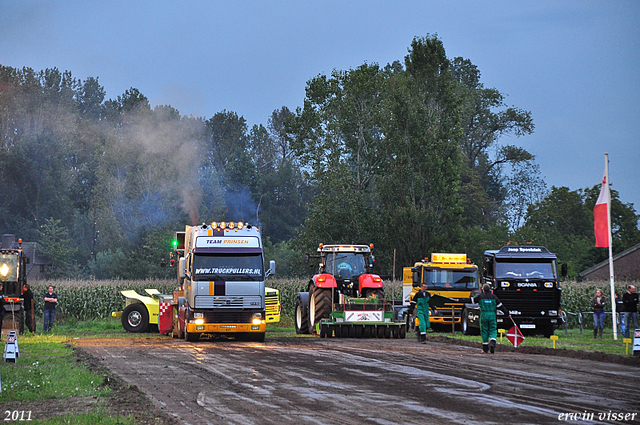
x=600 y=416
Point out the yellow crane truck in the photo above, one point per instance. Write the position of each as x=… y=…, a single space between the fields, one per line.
x=452 y=276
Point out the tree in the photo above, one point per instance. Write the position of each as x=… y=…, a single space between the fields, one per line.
x=58 y=247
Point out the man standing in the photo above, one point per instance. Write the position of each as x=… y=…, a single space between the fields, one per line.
x=630 y=302
x=421 y=303
x=27 y=296
x=50 y=302
x=489 y=304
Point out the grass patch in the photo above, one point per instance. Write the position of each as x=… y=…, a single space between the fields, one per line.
x=570 y=341
x=45 y=370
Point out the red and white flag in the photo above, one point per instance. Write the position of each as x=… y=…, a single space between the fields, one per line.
x=601 y=215
x=515 y=336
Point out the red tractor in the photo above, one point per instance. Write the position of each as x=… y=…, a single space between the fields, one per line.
x=344 y=272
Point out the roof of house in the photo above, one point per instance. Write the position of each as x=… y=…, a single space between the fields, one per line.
x=606 y=262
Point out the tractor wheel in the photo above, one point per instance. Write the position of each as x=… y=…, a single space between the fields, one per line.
x=319 y=306
x=466 y=329
x=381 y=329
x=396 y=332
x=323 y=330
x=352 y=331
x=358 y=331
x=135 y=318
x=301 y=316
x=387 y=332
x=366 y=332
x=369 y=292
x=403 y=332
x=13 y=320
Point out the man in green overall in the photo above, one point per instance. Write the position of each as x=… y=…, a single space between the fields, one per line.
x=421 y=303
x=489 y=304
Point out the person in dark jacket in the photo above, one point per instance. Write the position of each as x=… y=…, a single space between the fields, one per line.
x=50 y=303
x=29 y=310
x=598 y=304
x=630 y=302
x=420 y=302
x=489 y=304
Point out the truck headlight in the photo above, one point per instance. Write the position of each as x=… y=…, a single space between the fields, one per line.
x=505 y=284
x=553 y=312
x=548 y=284
x=199 y=321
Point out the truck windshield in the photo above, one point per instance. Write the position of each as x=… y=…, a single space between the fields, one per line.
x=227 y=267
x=8 y=268
x=544 y=270
x=345 y=264
x=450 y=279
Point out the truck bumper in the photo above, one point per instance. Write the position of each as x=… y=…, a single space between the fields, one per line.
x=226 y=328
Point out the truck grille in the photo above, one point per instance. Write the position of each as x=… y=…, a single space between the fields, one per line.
x=226 y=316
x=529 y=303
x=271 y=304
x=208 y=301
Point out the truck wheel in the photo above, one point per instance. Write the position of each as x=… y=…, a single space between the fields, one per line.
x=466 y=329
x=301 y=317
x=191 y=337
x=257 y=337
x=547 y=330
x=319 y=306
x=135 y=318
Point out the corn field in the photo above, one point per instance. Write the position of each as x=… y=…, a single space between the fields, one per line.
x=96 y=299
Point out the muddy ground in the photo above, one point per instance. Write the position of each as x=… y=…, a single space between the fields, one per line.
x=368 y=381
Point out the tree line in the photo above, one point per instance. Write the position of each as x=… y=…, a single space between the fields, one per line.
x=407 y=156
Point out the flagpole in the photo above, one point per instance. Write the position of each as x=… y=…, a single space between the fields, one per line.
x=611 y=279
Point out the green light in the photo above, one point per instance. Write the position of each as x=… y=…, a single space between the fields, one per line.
x=175 y=243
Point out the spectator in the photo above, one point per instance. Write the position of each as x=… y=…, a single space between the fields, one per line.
x=620 y=312
x=630 y=301
x=598 y=304
x=29 y=311
x=50 y=303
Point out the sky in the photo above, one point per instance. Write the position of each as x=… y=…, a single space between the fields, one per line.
x=574 y=64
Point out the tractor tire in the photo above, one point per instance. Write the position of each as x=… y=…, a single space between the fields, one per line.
x=319 y=306
x=387 y=332
x=301 y=316
x=403 y=332
x=466 y=329
x=323 y=330
x=13 y=320
x=368 y=292
x=396 y=332
x=381 y=330
x=358 y=331
x=366 y=332
x=135 y=318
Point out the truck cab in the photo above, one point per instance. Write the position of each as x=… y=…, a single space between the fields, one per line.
x=526 y=280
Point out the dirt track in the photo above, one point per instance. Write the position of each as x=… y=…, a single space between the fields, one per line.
x=376 y=381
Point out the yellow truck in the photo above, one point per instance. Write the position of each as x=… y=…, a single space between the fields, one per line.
x=452 y=276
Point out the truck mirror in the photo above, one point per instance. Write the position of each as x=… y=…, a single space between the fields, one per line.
x=272 y=269
x=415 y=278
x=564 y=269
